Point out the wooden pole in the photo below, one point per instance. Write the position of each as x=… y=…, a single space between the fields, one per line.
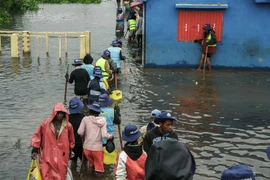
x=205 y=57
x=120 y=137
x=15 y=46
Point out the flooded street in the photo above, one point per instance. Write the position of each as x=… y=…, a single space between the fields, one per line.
x=223 y=119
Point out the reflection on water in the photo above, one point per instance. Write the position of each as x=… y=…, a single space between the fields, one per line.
x=223 y=119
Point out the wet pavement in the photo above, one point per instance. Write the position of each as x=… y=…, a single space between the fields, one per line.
x=223 y=119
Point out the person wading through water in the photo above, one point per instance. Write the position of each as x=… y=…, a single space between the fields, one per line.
x=116 y=54
x=93 y=128
x=53 y=141
x=88 y=60
x=161 y=132
x=144 y=129
x=131 y=161
x=97 y=86
x=209 y=40
x=75 y=118
x=81 y=78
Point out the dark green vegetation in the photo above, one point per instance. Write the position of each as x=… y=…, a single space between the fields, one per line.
x=69 y=1
x=7 y=7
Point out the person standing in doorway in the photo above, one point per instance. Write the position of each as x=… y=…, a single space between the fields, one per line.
x=53 y=142
x=209 y=43
x=81 y=78
x=161 y=132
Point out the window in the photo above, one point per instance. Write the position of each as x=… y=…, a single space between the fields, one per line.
x=190 y=24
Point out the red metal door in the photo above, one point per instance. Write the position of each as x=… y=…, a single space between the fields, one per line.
x=190 y=24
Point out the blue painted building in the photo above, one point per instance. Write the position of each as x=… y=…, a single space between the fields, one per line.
x=242 y=27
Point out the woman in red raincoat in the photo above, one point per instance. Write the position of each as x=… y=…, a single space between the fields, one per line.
x=53 y=141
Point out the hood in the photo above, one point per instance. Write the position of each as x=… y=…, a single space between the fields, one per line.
x=133 y=151
x=58 y=107
x=99 y=121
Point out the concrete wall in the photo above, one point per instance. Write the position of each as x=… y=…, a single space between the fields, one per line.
x=245 y=40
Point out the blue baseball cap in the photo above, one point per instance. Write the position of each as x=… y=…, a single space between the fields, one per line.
x=95 y=107
x=155 y=113
x=77 y=62
x=131 y=133
x=237 y=172
x=75 y=105
x=163 y=116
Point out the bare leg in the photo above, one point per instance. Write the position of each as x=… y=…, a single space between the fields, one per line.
x=208 y=63
x=201 y=62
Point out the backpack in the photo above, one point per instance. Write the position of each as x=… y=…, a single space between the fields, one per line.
x=169 y=160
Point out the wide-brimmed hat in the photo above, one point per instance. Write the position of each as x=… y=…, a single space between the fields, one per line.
x=75 y=105
x=155 y=113
x=98 y=73
x=115 y=43
x=131 y=133
x=104 y=100
x=77 y=62
x=106 y=53
x=268 y=152
x=163 y=116
x=237 y=172
x=207 y=27
x=95 y=107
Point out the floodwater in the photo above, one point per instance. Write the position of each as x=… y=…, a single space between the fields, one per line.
x=223 y=119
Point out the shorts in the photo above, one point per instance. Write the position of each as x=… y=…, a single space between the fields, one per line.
x=131 y=33
x=95 y=159
x=208 y=54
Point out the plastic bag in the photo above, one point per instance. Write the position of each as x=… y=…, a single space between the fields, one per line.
x=69 y=174
x=110 y=146
x=34 y=171
x=109 y=158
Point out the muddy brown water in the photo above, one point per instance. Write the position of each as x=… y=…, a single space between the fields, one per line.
x=223 y=119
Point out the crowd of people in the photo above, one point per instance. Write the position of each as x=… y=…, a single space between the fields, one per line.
x=152 y=152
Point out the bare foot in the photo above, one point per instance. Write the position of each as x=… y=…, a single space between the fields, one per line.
x=199 y=69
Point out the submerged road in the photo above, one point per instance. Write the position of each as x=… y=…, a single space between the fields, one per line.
x=223 y=120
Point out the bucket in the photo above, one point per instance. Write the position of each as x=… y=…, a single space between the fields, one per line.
x=116 y=95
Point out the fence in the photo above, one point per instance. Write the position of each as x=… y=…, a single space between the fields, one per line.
x=25 y=36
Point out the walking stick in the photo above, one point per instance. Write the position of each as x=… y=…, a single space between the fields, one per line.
x=82 y=161
x=115 y=80
x=120 y=137
x=65 y=94
x=205 y=57
x=125 y=72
